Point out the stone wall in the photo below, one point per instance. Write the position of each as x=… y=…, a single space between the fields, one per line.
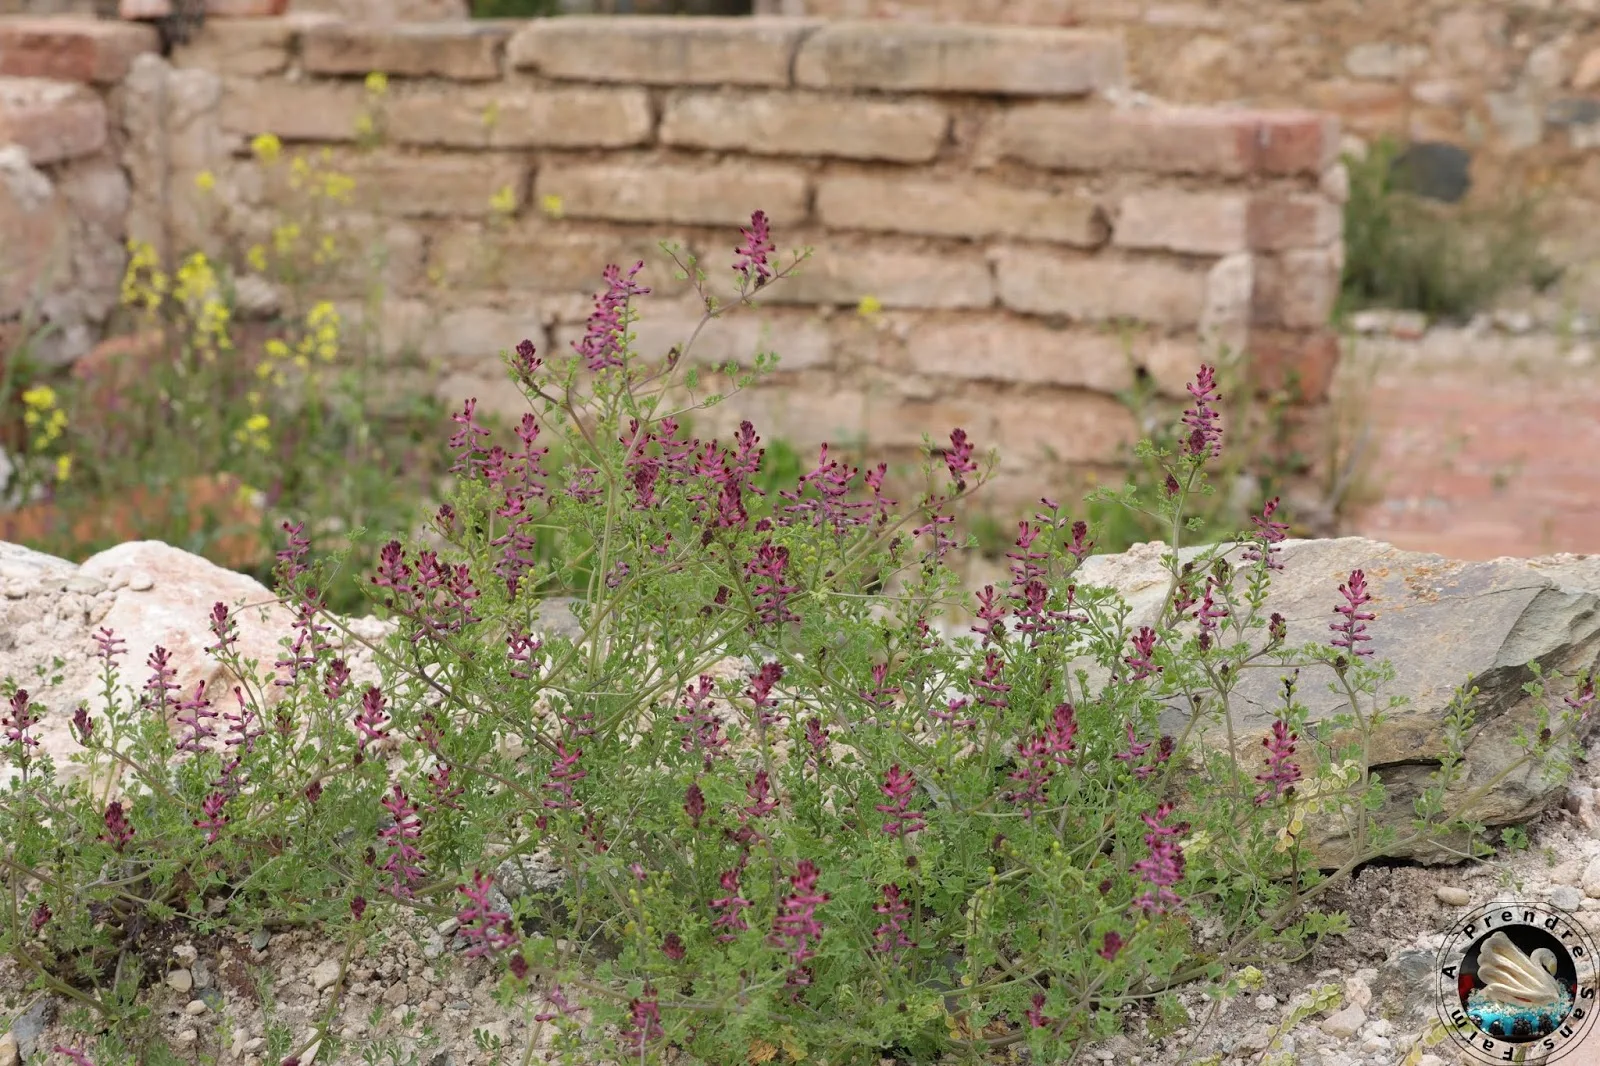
x=1028 y=245
x=1515 y=82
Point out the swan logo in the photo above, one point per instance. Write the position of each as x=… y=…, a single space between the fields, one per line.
x=1518 y=979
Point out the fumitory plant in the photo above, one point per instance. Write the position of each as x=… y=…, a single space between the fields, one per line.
x=770 y=796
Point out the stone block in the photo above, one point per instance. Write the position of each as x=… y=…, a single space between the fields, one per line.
x=971 y=208
x=1089 y=289
x=435 y=186
x=1300 y=361
x=806 y=124
x=35 y=255
x=841 y=275
x=1297 y=288
x=72 y=49
x=1279 y=221
x=1062 y=426
x=294 y=111
x=1223 y=142
x=960 y=58
x=461 y=51
x=241 y=48
x=51 y=120
x=661 y=50
x=720 y=194
x=515 y=117
x=1004 y=348
x=541 y=256
x=1198 y=223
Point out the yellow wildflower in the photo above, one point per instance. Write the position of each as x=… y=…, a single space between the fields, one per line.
x=41 y=415
x=143 y=283
x=869 y=306
x=551 y=204
x=253 y=434
x=267 y=148
x=276 y=349
x=337 y=186
x=205 y=181
x=377 y=83
x=504 y=202
x=366 y=126
x=39 y=398
x=285 y=237
x=63 y=467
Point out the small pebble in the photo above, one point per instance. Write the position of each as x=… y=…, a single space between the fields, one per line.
x=396 y=994
x=185 y=954
x=260 y=939
x=1452 y=896
x=188 y=1036
x=196 y=1007
x=1345 y=1023
x=448 y=927
x=181 y=980
x=326 y=975
x=1566 y=897
x=1266 y=1002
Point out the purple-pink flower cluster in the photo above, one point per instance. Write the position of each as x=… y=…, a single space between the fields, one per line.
x=900 y=821
x=1163 y=868
x=1351 y=632
x=486 y=930
x=604 y=339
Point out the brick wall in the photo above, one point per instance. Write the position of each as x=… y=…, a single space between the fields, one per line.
x=1514 y=83
x=1032 y=247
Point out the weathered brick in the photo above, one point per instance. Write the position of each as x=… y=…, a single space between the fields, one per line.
x=1301 y=361
x=1002 y=348
x=927 y=57
x=464 y=51
x=1213 y=223
x=804 y=414
x=434 y=186
x=841 y=275
x=294 y=111
x=243 y=48
x=512 y=117
x=1171 y=362
x=51 y=120
x=1065 y=426
x=1219 y=141
x=542 y=256
x=1282 y=220
x=1100 y=289
x=245 y=9
x=1293 y=142
x=806 y=124
x=1230 y=290
x=722 y=194
x=72 y=49
x=897 y=422
x=36 y=226
x=655 y=50
x=970 y=208
x=1297 y=288
x=799 y=338
x=480 y=334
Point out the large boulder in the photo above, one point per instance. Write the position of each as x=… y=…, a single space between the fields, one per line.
x=1443 y=624
x=148 y=594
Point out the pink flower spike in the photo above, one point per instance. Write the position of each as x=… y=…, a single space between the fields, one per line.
x=751 y=263
x=1352 y=632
